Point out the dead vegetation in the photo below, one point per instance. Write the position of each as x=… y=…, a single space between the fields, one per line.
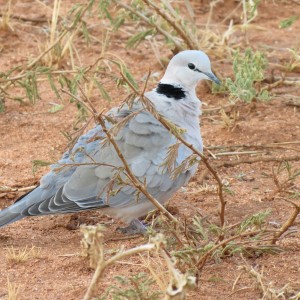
x=20 y=255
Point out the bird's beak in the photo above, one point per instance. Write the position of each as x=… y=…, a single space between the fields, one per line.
x=212 y=77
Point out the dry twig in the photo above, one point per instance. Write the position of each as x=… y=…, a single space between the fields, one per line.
x=253 y=160
x=102 y=264
x=288 y=223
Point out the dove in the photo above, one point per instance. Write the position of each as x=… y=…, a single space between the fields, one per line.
x=89 y=176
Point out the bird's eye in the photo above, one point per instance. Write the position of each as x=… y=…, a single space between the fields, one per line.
x=191 y=66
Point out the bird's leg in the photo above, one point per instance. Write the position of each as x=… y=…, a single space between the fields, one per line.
x=135 y=227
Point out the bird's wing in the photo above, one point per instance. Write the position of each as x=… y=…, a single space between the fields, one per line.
x=144 y=143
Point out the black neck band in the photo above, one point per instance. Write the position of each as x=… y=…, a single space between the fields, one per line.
x=170 y=91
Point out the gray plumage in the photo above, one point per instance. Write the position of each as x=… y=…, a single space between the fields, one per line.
x=144 y=143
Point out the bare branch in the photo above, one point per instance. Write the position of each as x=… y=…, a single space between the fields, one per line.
x=288 y=223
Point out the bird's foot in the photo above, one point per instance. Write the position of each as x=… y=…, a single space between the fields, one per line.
x=135 y=227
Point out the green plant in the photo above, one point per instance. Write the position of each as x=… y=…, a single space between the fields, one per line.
x=136 y=287
x=249 y=69
x=255 y=221
x=286 y=23
x=294 y=63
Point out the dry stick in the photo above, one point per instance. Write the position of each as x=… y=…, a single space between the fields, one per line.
x=251 y=160
x=141 y=187
x=273 y=85
x=257 y=159
x=144 y=18
x=8 y=189
x=288 y=222
x=52 y=72
x=238 y=290
x=102 y=265
x=26 y=18
x=231 y=13
x=261 y=146
x=273 y=145
x=233 y=153
x=186 y=38
x=212 y=4
x=90 y=109
x=216 y=109
x=84 y=164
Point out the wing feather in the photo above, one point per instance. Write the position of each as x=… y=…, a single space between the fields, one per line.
x=144 y=143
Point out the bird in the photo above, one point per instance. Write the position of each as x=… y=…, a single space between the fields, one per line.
x=91 y=178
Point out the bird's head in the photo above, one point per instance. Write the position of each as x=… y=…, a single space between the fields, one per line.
x=187 y=68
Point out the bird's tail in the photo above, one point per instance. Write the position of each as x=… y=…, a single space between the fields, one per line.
x=15 y=212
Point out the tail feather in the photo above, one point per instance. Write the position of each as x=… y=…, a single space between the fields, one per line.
x=14 y=213
x=8 y=218
x=42 y=201
x=24 y=195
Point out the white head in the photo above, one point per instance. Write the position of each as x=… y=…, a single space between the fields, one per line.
x=187 y=68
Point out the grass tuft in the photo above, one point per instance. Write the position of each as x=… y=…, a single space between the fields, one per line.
x=13 y=291
x=21 y=255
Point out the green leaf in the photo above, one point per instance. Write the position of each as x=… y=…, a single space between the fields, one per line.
x=248 y=68
x=286 y=23
x=103 y=91
x=85 y=33
x=1 y=106
x=255 y=220
x=138 y=38
x=55 y=108
x=53 y=86
x=36 y=164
